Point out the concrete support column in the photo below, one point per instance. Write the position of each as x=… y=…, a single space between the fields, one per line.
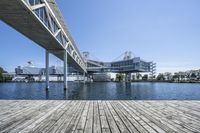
x=128 y=77
x=84 y=77
x=77 y=75
x=65 y=70
x=47 y=68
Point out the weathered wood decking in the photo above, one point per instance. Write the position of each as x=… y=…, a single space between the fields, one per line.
x=100 y=116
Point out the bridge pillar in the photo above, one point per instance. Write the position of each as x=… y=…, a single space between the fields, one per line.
x=65 y=70
x=84 y=77
x=77 y=75
x=47 y=68
x=128 y=77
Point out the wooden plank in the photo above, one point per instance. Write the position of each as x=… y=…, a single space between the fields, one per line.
x=137 y=121
x=44 y=124
x=71 y=125
x=64 y=121
x=81 y=121
x=175 y=115
x=162 y=122
x=118 y=120
x=123 y=118
x=103 y=120
x=20 y=107
x=111 y=121
x=29 y=121
x=89 y=119
x=16 y=119
x=96 y=122
x=145 y=122
x=99 y=116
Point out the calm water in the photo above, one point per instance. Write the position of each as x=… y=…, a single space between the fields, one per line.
x=101 y=91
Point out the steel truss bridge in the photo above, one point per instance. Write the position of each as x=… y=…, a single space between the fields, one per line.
x=42 y=22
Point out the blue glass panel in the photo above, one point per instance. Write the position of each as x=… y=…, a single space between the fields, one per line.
x=34 y=2
x=41 y=13
x=59 y=37
x=64 y=40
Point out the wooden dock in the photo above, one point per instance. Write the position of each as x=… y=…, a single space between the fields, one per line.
x=99 y=116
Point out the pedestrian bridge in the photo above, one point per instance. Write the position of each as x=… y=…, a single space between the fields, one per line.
x=42 y=22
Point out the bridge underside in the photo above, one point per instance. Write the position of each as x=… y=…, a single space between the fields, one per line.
x=18 y=16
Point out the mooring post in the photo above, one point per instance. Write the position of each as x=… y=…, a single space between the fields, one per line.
x=65 y=70
x=47 y=68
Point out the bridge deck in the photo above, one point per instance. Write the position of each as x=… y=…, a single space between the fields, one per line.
x=100 y=116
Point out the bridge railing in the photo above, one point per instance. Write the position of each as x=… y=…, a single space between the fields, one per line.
x=42 y=10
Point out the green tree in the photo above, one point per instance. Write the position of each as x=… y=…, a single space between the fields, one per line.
x=193 y=76
x=176 y=76
x=138 y=76
x=168 y=75
x=119 y=77
x=145 y=77
x=1 y=74
x=133 y=77
x=2 y=78
x=160 y=76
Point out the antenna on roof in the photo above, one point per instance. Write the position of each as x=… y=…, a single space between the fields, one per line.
x=30 y=63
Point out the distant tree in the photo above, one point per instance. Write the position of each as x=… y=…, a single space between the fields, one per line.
x=2 y=70
x=133 y=77
x=119 y=77
x=160 y=76
x=193 y=76
x=145 y=77
x=2 y=78
x=1 y=74
x=168 y=75
x=176 y=76
x=138 y=76
x=182 y=75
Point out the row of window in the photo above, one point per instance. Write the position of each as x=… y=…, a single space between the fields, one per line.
x=124 y=63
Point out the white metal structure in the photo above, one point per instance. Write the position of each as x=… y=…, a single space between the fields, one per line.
x=42 y=22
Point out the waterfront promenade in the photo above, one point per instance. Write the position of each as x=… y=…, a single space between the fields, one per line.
x=99 y=116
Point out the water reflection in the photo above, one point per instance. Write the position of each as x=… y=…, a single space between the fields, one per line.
x=101 y=91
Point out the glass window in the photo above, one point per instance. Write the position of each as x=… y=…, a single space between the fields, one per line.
x=41 y=13
x=59 y=37
x=34 y=2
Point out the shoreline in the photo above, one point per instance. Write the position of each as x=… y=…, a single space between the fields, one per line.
x=136 y=81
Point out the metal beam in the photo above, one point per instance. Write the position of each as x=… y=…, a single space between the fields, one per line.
x=37 y=6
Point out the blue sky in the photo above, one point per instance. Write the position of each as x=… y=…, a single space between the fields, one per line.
x=164 y=31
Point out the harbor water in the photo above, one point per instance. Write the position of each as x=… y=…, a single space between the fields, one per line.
x=101 y=91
